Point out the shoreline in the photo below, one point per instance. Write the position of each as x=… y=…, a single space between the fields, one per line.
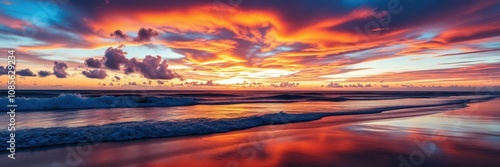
x=48 y=147
x=242 y=144
x=87 y=133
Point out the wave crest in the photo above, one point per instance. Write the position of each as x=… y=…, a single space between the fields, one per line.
x=155 y=129
x=77 y=101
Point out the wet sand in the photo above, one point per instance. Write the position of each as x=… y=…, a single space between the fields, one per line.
x=433 y=136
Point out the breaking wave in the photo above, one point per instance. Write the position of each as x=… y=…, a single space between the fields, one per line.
x=76 y=101
x=155 y=129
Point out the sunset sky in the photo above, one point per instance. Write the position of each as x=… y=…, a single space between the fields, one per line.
x=202 y=44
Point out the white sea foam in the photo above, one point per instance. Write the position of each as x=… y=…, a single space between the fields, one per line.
x=34 y=137
x=76 y=101
x=149 y=129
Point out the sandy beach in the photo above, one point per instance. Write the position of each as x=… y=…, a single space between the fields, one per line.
x=433 y=136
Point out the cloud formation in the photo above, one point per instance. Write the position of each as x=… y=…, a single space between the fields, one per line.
x=93 y=63
x=60 y=69
x=95 y=73
x=26 y=73
x=464 y=74
x=145 y=35
x=44 y=73
x=334 y=85
x=3 y=70
x=160 y=82
x=114 y=58
x=120 y=35
x=152 y=68
x=285 y=85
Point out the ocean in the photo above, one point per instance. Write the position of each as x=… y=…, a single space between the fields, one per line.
x=46 y=117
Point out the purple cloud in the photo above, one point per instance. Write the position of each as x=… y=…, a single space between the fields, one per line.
x=3 y=70
x=60 y=69
x=334 y=85
x=44 y=73
x=152 y=68
x=285 y=85
x=114 y=57
x=145 y=35
x=26 y=73
x=120 y=35
x=160 y=82
x=93 y=63
x=99 y=74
